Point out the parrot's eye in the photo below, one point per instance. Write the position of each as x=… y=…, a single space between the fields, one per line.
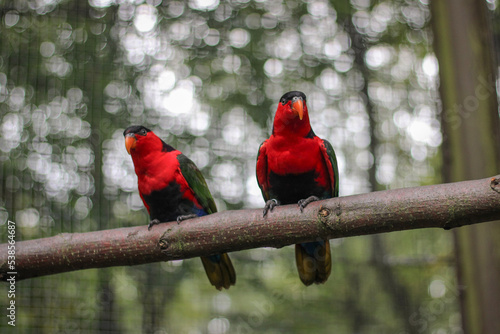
x=283 y=101
x=143 y=132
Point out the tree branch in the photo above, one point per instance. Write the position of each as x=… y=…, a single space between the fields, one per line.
x=444 y=206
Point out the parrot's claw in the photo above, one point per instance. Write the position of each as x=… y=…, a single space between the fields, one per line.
x=270 y=205
x=304 y=202
x=185 y=217
x=153 y=222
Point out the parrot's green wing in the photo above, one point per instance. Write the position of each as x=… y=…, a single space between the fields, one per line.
x=333 y=169
x=197 y=183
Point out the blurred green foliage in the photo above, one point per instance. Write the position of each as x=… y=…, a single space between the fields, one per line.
x=206 y=77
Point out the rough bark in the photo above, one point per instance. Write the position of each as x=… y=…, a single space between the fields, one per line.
x=442 y=206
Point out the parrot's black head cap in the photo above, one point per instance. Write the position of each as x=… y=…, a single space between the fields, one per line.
x=136 y=129
x=290 y=95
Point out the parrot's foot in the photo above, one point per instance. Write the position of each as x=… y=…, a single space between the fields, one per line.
x=153 y=222
x=304 y=202
x=270 y=205
x=186 y=217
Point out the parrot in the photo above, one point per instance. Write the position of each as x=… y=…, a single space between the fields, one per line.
x=296 y=166
x=173 y=188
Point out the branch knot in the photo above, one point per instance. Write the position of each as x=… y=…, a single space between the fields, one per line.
x=323 y=212
x=163 y=244
x=495 y=184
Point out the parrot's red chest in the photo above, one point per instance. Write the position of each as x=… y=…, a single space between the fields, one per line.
x=156 y=171
x=293 y=157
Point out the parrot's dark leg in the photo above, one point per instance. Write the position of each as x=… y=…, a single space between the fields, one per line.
x=185 y=217
x=304 y=202
x=270 y=206
x=153 y=222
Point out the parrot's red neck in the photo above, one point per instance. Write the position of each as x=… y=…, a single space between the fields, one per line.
x=147 y=144
x=148 y=154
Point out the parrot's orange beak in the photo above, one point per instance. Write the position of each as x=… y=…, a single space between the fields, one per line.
x=130 y=142
x=298 y=107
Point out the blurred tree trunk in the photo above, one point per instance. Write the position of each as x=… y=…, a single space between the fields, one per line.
x=397 y=292
x=94 y=57
x=470 y=126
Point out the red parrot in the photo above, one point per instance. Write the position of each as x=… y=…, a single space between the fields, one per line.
x=296 y=166
x=173 y=188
